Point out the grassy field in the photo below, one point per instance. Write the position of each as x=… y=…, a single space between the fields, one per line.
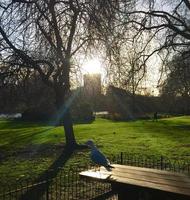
x=27 y=149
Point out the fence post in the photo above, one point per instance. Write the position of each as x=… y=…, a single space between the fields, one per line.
x=47 y=186
x=162 y=162
x=121 y=158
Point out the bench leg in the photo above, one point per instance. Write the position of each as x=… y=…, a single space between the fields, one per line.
x=125 y=193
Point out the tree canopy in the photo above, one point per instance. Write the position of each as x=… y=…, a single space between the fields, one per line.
x=47 y=37
x=177 y=82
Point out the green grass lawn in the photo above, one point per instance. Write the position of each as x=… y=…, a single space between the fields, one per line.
x=27 y=149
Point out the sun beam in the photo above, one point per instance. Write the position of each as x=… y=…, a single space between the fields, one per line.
x=92 y=66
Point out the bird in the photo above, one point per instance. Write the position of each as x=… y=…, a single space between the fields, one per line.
x=98 y=157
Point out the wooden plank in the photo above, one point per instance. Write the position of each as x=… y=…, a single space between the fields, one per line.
x=140 y=183
x=131 y=180
x=144 y=177
x=156 y=171
x=156 y=186
x=165 y=178
x=176 y=179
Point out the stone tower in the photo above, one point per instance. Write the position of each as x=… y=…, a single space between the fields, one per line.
x=92 y=85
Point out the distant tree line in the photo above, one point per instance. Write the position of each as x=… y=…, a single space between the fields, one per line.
x=174 y=97
x=175 y=89
x=36 y=101
x=30 y=96
x=120 y=105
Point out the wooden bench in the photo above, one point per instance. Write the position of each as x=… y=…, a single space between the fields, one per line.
x=143 y=183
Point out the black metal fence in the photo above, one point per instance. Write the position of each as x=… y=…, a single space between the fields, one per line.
x=67 y=184
x=152 y=161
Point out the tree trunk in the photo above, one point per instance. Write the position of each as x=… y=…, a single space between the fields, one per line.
x=69 y=132
x=133 y=102
x=64 y=117
x=186 y=103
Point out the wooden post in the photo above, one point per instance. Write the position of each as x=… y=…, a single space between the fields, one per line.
x=121 y=158
x=162 y=162
x=125 y=193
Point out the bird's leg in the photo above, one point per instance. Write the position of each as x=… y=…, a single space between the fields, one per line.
x=99 y=171
x=96 y=168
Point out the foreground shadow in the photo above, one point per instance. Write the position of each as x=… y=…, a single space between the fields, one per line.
x=37 y=191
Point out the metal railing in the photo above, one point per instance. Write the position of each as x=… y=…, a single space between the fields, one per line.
x=152 y=161
x=67 y=184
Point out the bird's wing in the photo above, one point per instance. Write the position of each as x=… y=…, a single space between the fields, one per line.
x=99 y=158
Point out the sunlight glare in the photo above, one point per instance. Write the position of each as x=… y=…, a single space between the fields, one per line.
x=92 y=66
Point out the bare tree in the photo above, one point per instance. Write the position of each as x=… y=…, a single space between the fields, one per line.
x=126 y=67
x=46 y=36
x=167 y=22
x=156 y=27
x=177 y=83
